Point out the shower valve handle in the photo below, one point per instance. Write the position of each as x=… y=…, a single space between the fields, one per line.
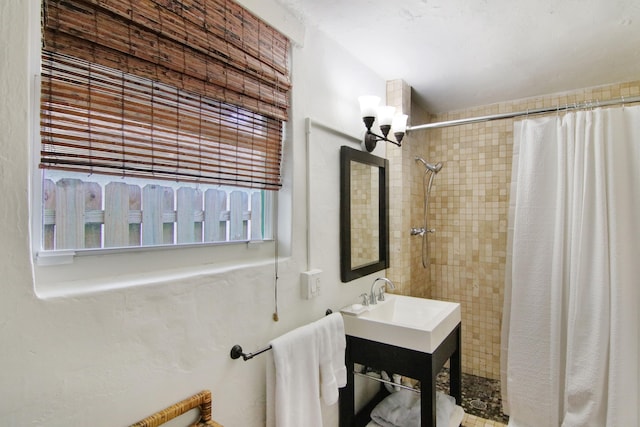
x=421 y=231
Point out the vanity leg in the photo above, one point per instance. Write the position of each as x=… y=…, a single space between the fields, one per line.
x=428 y=399
x=455 y=369
x=347 y=393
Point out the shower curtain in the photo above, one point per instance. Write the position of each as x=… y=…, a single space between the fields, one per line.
x=572 y=299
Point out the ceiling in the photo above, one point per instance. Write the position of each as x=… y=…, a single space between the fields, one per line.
x=463 y=53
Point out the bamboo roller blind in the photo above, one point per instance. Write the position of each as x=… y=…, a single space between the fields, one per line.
x=193 y=90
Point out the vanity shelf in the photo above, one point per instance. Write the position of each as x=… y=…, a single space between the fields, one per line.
x=406 y=362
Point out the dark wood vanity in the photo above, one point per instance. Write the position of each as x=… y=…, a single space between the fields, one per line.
x=406 y=362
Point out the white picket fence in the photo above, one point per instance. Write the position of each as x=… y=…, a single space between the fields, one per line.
x=74 y=216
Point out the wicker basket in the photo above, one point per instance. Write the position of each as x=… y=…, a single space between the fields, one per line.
x=201 y=400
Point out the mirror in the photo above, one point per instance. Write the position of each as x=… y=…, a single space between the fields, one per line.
x=363 y=214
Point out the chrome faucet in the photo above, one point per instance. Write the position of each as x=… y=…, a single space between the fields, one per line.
x=372 y=296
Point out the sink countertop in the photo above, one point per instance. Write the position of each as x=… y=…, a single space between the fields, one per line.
x=415 y=323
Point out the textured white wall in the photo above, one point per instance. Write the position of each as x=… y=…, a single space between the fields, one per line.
x=110 y=358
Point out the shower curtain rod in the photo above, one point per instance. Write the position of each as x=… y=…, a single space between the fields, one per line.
x=568 y=107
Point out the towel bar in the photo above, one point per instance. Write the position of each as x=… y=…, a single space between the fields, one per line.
x=382 y=380
x=236 y=350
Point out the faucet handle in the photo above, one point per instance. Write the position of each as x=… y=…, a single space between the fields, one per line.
x=381 y=293
x=365 y=299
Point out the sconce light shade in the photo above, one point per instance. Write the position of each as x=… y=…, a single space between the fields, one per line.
x=385 y=115
x=369 y=106
x=399 y=126
x=399 y=123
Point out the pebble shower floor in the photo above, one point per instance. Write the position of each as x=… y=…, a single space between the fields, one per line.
x=480 y=397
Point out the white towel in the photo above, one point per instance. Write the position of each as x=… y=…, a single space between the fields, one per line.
x=445 y=407
x=399 y=409
x=307 y=361
x=457 y=416
x=297 y=389
x=332 y=345
x=402 y=409
x=271 y=389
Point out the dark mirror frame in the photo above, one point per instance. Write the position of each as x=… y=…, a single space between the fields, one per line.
x=347 y=155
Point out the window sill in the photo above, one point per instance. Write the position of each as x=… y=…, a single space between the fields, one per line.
x=73 y=273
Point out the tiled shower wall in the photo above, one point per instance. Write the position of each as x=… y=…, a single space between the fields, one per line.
x=469 y=210
x=405 y=267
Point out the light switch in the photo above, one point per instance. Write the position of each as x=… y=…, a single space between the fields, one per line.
x=310 y=283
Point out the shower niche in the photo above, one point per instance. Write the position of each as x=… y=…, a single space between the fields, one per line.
x=364 y=233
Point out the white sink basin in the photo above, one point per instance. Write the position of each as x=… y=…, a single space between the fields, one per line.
x=414 y=323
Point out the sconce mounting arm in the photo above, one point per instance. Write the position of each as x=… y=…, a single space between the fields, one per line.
x=371 y=139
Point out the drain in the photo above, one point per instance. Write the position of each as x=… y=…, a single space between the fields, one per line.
x=478 y=404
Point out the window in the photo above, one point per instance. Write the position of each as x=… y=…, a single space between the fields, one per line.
x=161 y=122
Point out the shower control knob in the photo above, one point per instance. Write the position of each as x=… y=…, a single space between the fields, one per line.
x=422 y=231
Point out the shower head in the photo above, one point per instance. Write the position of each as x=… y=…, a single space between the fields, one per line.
x=433 y=168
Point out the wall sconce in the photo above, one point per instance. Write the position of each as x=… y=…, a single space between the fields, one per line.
x=387 y=119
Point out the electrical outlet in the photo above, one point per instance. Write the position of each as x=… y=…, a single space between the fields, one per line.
x=310 y=284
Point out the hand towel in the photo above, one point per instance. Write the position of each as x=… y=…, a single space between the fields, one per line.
x=399 y=409
x=445 y=407
x=402 y=409
x=331 y=347
x=457 y=416
x=297 y=385
x=308 y=363
x=270 y=389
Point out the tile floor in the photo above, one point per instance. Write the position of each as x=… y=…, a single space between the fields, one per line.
x=473 y=421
